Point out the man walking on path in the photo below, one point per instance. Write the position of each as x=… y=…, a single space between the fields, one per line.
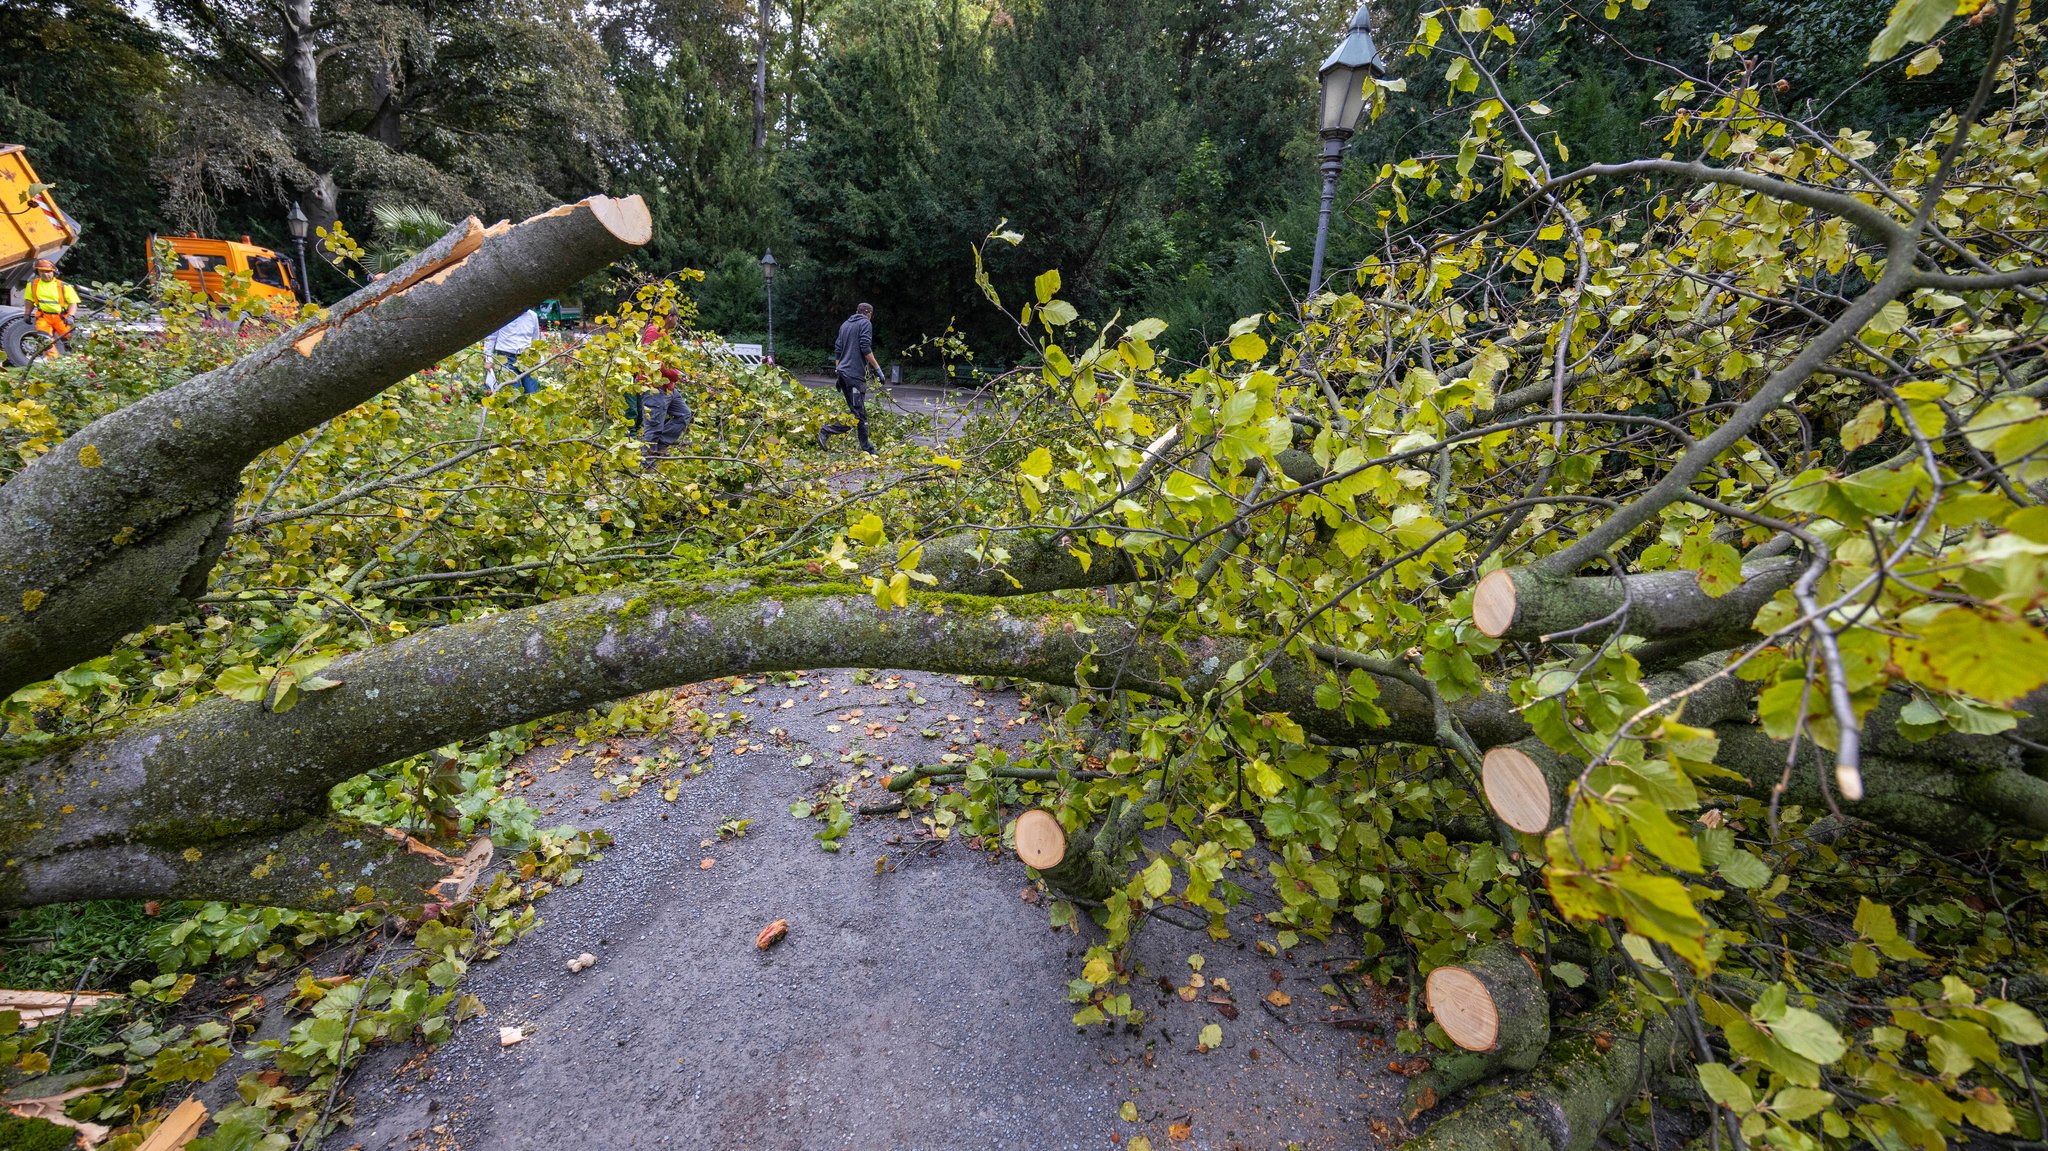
x=854 y=352
x=509 y=343
x=54 y=304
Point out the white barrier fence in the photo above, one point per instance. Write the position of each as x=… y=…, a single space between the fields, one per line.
x=744 y=353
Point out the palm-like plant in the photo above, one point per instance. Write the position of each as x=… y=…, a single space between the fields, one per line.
x=403 y=231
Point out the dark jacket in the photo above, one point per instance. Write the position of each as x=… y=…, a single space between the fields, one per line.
x=856 y=341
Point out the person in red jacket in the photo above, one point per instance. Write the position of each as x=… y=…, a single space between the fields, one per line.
x=664 y=407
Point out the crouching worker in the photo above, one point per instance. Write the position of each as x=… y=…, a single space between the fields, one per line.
x=664 y=406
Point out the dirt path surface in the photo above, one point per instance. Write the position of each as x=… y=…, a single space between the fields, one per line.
x=918 y=1001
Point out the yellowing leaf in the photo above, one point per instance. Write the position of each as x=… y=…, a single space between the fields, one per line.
x=1211 y=1037
x=1038 y=463
x=1279 y=998
x=1249 y=347
x=1996 y=658
x=868 y=531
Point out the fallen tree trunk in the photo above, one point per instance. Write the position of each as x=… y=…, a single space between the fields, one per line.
x=320 y=865
x=1580 y=1082
x=1527 y=783
x=226 y=768
x=1494 y=1008
x=119 y=526
x=1528 y=604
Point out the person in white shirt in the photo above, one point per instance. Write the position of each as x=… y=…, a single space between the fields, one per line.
x=509 y=343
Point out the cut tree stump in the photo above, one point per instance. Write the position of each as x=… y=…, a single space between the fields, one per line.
x=1492 y=1002
x=1528 y=604
x=1494 y=1008
x=1043 y=846
x=1519 y=788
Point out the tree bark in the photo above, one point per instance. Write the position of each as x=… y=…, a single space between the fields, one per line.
x=1527 y=604
x=1563 y=1104
x=120 y=525
x=761 y=83
x=320 y=865
x=298 y=53
x=1940 y=803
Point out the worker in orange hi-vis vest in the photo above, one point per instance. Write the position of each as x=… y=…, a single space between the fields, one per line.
x=53 y=303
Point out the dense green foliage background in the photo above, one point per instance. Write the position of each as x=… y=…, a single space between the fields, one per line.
x=1141 y=144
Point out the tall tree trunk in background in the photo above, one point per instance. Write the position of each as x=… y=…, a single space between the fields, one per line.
x=793 y=64
x=761 y=84
x=384 y=122
x=301 y=69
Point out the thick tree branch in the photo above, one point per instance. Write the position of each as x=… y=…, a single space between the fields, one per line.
x=119 y=525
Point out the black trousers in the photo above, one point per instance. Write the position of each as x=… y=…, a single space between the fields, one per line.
x=854 y=390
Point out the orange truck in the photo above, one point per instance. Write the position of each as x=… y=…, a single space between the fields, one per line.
x=33 y=227
x=206 y=265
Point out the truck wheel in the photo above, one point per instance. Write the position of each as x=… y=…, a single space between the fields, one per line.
x=21 y=341
x=25 y=344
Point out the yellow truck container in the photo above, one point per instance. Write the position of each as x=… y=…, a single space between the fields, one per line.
x=32 y=227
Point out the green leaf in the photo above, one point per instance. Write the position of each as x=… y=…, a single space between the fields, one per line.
x=1059 y=313
x=244 y=683
x=2016 y=1024
x=1158 y=878
x=1047 y=285
x=1911 y=22
x=1038 y=463
x=1805 y=1033
x=1796 y=1103
x=1211 y=1037
x=1250 y=347
x=1745 y=870
x=1726 y=1088
x=1239 y=408
x=1146 y=329
x=1569 y=974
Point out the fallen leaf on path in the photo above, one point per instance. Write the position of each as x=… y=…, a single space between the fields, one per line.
x=708 y=864
x=509 y=1036
x=772 y=935
x=1129 y=1111
x=1211 y=1039
x=1180 y=1132
x=1279 y=998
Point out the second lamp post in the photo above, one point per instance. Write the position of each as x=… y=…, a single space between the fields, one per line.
x=768 y=277
x=1344 y=76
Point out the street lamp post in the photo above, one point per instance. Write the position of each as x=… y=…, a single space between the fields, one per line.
x=1343 y=77
x=768 y=277
x=296 y=225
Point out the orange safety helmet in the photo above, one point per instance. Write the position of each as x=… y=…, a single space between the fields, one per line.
x=45 y=266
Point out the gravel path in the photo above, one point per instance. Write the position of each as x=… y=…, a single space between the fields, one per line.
x=918 y=1001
